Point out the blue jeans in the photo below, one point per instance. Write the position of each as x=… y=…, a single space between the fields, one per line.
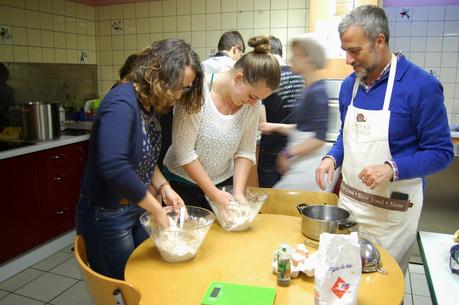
x=110 y=235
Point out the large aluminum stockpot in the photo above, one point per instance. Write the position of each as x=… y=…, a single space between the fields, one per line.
x=318 y=219
x=40 y=121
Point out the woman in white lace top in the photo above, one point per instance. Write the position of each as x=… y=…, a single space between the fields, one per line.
x=217 y=145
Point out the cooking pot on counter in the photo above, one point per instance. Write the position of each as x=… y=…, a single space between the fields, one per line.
x=40 y=121
x=318 y=219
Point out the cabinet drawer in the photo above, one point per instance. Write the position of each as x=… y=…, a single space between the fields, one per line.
x=60 y=171
x=60 y=157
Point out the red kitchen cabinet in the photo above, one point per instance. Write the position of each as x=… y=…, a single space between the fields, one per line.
x=21 y=221
x=39 y=194
x=59 y=171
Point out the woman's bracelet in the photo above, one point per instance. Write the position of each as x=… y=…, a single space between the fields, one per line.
x=160 y=188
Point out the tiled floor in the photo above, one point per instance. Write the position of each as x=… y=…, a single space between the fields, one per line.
x=56 y=280
x=416 y=289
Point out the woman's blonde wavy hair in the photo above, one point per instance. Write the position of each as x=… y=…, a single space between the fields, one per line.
x=158 y=75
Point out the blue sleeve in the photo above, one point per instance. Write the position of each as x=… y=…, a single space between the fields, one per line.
x=115 y=141
x=435 y=150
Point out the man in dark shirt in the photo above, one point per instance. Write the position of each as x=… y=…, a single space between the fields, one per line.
x=279 y=107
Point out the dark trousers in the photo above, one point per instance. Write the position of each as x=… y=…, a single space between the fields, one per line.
x=266 y=168
x=193 y=195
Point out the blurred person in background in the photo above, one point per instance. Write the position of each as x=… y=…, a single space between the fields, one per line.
x=231 y=47
x=216 y=146
x=6 y=96
x=306 y=137
x=126 y=68
x=394 y=132
x=277 y=108
x=121 y=179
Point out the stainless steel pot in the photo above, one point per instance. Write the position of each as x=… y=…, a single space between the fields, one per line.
x=318 y=219
x=40 y=121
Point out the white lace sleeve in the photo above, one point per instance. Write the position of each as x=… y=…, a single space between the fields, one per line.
x=247 y=146
x=185 y=129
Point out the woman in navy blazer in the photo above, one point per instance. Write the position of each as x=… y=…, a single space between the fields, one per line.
x=121 y=178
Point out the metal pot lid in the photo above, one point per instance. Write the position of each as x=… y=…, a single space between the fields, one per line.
x=370 y=256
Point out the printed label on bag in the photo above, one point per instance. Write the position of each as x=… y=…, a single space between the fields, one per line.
x=340 y=287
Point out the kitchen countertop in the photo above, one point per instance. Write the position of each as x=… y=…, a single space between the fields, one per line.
x=42 y=145
x=443 y=284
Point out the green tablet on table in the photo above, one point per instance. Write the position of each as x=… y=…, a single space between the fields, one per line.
x=224 y=293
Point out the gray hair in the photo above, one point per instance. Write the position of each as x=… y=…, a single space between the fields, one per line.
x=371 y=18
x=310 y=48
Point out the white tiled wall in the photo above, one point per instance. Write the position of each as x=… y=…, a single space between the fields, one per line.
x=48 y=31
x=430 y=38
x=200 y=22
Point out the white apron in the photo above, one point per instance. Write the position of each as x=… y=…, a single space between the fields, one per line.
x=365 y=138
x=302 y=172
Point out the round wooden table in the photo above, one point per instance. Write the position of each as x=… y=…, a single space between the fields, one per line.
x=245 y=258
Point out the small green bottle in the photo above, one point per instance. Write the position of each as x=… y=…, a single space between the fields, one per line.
x=284 y=262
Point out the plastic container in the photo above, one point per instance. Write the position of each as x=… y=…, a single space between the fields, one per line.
x=239 y=216
x=177 y=244
x=62 y=117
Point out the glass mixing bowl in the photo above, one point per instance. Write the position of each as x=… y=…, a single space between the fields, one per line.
x=179 y=243
x=238 y=216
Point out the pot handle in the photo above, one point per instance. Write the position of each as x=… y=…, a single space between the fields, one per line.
x=301 y=206
x=346 y=225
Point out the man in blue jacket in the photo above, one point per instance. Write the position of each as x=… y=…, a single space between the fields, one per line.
x=394 y=133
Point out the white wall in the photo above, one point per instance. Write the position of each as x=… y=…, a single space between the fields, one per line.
x=199 y=22
x=430 y=38
x=47 y=31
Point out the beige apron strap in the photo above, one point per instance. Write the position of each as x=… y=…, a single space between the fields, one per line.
x=390 y=84
x=354 y=90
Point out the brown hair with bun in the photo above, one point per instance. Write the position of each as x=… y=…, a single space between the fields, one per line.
x=259 y=65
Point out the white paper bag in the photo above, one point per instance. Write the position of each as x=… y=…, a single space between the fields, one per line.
x=337 y=275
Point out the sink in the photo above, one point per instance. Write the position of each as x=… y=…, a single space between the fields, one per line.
x=7 y=145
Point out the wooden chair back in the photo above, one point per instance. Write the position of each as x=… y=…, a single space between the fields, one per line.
x=102 y=289
x=284 y=202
